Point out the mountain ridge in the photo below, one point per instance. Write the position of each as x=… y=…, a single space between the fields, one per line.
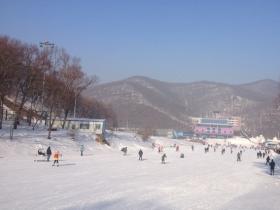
x=138 y=101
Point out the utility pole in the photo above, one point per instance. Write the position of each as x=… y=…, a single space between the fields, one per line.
x=45 y=45
x=76 y=94
x=75 y=105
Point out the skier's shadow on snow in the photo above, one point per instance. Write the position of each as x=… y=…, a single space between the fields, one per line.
x=143 y=159
x=47 y=161
x=67 y=164
x=115 y=204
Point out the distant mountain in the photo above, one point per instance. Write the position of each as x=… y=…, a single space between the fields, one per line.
x=143 y=102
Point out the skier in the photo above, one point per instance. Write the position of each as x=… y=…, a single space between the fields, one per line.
x=272 y=166
x=49 y=153
x=140 y=154
x=40 y=152
x=56 y=158
x=238 y=157
x=267 y=160
x=163 y=157
x=177 y=148
x=124 y=150
x=259 y=154
x=192 y=148
x=82 y=148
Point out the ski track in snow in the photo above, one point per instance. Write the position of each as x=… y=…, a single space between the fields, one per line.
x=106 y=179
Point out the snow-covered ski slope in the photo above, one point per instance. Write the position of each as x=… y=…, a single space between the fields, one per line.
x=106 y=179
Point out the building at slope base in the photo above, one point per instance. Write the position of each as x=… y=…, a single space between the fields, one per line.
x=214 y=128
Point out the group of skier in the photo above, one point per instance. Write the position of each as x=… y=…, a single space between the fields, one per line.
x=140 y=154
x=269 y=161
x=223 y=150
x=48 y=153
x=260 y=154
x=271 y=164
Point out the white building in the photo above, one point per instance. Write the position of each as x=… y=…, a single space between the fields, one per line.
x=272 y=144
x=96 y=126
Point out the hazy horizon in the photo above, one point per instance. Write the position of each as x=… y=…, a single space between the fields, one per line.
x=187 y=82
x=233 y=42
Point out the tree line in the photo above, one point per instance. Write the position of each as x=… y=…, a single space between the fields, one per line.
x=45 y=83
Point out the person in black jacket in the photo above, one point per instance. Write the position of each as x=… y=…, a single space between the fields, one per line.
x=49 y=153
x=140 y=154
x=272 y=166
x=124 y=150
x=238 y=157
x=163 y=157
x=267 y=160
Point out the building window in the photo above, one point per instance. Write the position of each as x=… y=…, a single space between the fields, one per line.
x=84 y=126
x=97 y=126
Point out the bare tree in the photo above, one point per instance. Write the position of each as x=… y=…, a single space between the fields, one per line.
x=30 y=73
x=75 y=81
x=10 y=53
x=270 y=118
x=145 y=133
x=89 y=107
x=53 y=89
x=49 y=78
x=53 y=102
x=277 y=99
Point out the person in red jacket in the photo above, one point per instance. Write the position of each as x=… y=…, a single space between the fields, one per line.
x=56 y=158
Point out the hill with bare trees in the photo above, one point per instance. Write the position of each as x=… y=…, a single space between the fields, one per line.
x=143 y=102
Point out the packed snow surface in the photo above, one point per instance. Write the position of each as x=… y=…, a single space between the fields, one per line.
x=104 y=178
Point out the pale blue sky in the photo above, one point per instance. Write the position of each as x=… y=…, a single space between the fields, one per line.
x=235 y=41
